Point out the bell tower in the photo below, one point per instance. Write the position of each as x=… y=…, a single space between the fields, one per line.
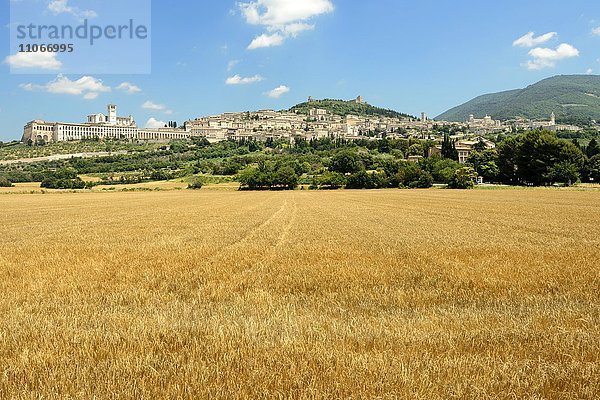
x=112 y=114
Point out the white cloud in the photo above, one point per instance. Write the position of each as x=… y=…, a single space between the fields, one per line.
x=90 y=96
x=62 y=84
x=547 y=58
x=589 y=71
x=529 y=40
x=238 y=80
x=62 y=7
x=231 y=64
x=129 y=88
x=38 y=60
x=86 y=86
x=294 y=30
x=30 y=87
x=154 y=123
x=282 y=18
x=596 y=31
x=150 y=105
x=278 y=92
x=266 y=40
x=283 y=12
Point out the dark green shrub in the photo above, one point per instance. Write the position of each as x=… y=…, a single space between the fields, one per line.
x=196 y=183
x=4 y=182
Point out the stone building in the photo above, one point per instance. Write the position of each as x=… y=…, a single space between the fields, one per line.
x=98 y=126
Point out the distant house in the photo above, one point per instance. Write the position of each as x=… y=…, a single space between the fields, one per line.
x=465 y=148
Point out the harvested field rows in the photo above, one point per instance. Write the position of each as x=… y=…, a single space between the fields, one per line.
x=429 y=294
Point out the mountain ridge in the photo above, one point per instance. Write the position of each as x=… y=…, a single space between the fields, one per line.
x=573 y=98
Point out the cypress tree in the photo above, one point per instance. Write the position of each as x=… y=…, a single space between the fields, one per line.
x=593 y=148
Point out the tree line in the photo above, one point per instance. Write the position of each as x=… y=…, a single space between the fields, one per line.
x=538 y=158
x=532 y=158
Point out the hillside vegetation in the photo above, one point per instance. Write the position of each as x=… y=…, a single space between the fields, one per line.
x=573 y=98
x=16 y=150
x=343 y=108
x=536 y=157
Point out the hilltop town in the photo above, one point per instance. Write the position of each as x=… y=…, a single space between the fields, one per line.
x=265 y=124
x=320 y=123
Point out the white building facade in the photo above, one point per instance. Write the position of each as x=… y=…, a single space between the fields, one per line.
x=98 y=126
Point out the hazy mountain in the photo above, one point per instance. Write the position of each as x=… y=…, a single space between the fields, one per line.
x=573 y=98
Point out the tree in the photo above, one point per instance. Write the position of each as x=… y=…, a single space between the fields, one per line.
x=464 y=178
x=159 y=175
x=4 y=182
x=266 y=177
x=366 y=180
x=411 y=176
x=441 y=169
x=480 y=145
x=594 y=168
x=539 y=152
x=531 y=158
x=65 y=178
x=593 y=148
x=507 y=160
x=564 y=172
x=196 y=183
x=286 y=178
x=346 y=162
x=485 y=164
x=415 y=150
x=331 y=181
x=449 y=148
x=254 y=179
x=384 y=145
x=201 y=142
x=228 y=167
x=425 y=181
x=254 y=146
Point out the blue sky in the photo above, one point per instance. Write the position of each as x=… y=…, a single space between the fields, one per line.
x=210 y=57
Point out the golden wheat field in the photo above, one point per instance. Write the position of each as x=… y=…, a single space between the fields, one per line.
x=428 y=294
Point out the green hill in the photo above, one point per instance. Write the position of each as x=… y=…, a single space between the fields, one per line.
x=573 y=98
x=343 y=108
